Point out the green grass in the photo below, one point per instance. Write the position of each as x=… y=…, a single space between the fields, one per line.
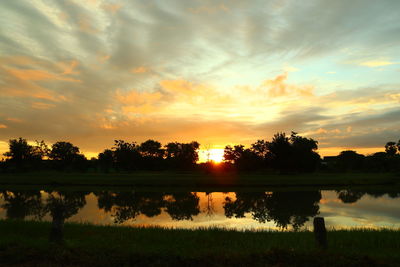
x=197 y=179
x=27 y=243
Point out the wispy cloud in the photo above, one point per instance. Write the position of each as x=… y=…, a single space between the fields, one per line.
x=216 y=71
x=377 y=63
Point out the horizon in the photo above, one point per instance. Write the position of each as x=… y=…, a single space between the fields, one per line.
x=208 y=153
x=217 y=72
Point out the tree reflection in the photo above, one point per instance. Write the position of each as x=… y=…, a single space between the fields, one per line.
x=182 y=206
x=349 y=196
x=61 y=206
x=19 y=205
x=284 y=208
x=353 y=195
x=128 y=205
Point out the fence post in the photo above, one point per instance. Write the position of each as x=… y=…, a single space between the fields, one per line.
x=320 y=233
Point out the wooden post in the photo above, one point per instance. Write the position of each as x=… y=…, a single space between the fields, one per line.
x=57 y=226
x=320 y=233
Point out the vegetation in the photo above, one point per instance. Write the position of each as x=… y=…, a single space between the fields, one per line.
x=283 y=154
x=27 y=244
x=196 y=180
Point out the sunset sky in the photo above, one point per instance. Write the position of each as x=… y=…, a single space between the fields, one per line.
x=218 y=72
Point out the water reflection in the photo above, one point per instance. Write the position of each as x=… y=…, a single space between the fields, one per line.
x=19 y=205
x=284 y=208
x=277 y=209
x=352 y=196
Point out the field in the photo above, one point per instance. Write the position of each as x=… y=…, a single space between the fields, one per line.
x=197 y=179
x=26 y=244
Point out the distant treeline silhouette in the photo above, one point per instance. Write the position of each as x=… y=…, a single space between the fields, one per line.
x=283 y=154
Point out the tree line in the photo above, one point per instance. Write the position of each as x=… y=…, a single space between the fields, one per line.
x=284 y=154
x=123 y=156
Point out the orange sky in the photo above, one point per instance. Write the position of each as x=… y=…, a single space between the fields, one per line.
x=218 y=72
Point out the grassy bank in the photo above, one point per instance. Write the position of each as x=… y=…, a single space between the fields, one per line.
x=197 y=179
x=26 y=243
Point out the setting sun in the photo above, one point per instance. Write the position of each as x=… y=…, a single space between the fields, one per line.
x=215 y=155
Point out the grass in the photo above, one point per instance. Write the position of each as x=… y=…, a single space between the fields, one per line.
x=26 y=243
x=197 y=179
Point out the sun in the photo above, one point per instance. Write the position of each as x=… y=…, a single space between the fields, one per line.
x=216 y=155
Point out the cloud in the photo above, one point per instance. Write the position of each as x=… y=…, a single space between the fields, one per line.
x=377 y=63
x=134 y=97
x=113 y=8
x=41 y=105
x=39 y=75
x=278 y=87
x=216 y=70
x=140 y=70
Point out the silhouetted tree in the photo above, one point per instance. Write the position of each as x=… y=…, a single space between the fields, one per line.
x=182 y=155
x=106 y=160
x=23 y=156
x=260 y=149
x=377 y=162
x=65 y=156
x=391 y=148
x=398 y=146
x=233 y=154
x=280 y=152
x=241 y=158
x=151 y=148
x=305 y=158
x=294 y=153
x=152 y=154
x=126 y=155
x=350 y=160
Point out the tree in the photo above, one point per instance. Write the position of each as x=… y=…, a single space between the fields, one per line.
x=398 y=146
x=126 y=155
x=280 y=152
x=242 y=158
x=305 y=157
x=182 y=155
x=152 y=155
x=66 y=156
x=152 y=149
x=233 y=154
x=106 y=160
x=350 y=160
x=391 y=148
x=260 y=148
x=24 y=156
x=63 y=151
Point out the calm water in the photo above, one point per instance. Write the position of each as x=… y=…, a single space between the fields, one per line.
x=240 y=210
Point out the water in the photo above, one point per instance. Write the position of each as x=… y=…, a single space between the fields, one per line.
x=238 y=210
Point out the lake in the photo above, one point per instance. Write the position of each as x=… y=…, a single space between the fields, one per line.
x=274 y=210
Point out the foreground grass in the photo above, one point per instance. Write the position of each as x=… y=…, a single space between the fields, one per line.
x=197 y=179
x=26 y=243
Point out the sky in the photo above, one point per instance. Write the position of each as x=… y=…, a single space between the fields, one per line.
x=218 y=72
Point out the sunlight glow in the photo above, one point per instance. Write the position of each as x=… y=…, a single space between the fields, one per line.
x=215 y=155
